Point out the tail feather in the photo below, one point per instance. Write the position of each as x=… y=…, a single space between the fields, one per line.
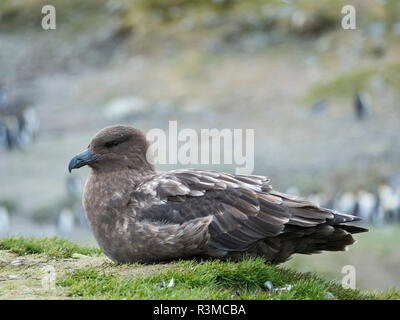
x=341 y=217
x=309 y=229
x=306 y=241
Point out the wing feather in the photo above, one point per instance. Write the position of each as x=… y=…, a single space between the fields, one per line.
x=244 y=208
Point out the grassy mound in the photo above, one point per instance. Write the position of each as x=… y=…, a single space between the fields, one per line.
x=52 y=247
x=210 y=280
x=85 y=273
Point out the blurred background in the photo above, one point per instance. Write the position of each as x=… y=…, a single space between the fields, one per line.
x=324 y=103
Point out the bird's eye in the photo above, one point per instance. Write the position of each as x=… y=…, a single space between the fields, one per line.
x=111 y=144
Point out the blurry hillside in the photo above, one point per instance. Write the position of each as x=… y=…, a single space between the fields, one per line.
x=285 y=68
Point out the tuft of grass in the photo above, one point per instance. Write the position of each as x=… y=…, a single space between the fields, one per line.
x=53 y=247
x=346 y=84
x=210 y=280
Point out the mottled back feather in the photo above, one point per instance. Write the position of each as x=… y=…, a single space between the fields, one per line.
x=244 y=208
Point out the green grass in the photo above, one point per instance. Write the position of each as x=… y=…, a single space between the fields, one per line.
x=53 y=247
x=99 y=278
x=210 y=280
x=345 y=85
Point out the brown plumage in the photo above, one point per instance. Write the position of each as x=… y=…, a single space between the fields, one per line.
x=139 y=214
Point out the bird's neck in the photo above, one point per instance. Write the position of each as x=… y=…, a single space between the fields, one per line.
x=116 y=186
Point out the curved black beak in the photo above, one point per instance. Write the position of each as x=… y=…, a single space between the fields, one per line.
x=82 y=159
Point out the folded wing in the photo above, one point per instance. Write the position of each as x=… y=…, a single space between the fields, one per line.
x=244 y=208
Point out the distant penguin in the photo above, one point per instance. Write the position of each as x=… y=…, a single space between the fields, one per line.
x=28 y=127
x=4 y=222
x=389 y=201
x=397 y=210
x=65 y=222
x=30 y=122
x=20 y=119
x=379 y=217
x=346 y=203
x=73 y=187
x=5 y=138
x=12 y=131
x=367 y=204
x=80 y=214
x=360 y=106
